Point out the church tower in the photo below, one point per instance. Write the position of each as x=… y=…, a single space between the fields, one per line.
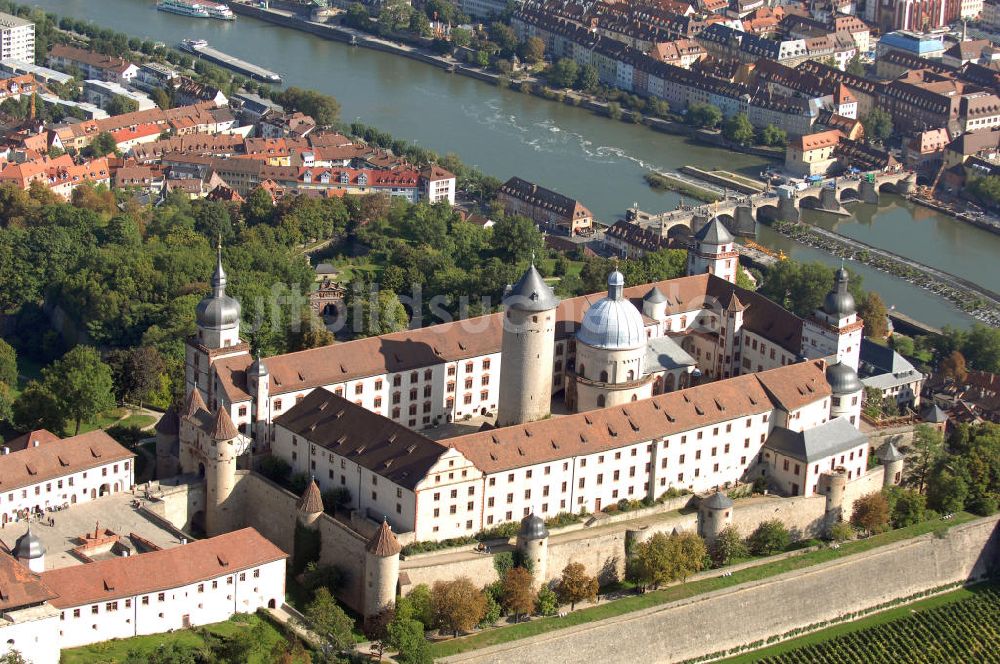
x=835 y=329
x=220 y=455
x=713 y=251
x=527 y=350
x=218 y=335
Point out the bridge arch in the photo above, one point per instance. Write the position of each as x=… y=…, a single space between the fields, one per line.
x=810 y=202
x=767 y=213
x=889 y=187
x=850 y=194
x=728 y=220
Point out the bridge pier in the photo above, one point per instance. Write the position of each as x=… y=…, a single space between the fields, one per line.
x=868 y=192
x=828 y=202
x=907 y=184
x=744 y=222
x=788 y=210
x=699 y=220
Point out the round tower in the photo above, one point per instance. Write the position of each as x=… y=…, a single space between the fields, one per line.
x=532 y=543
x=611 y=352
x=310 y=505
x=259 y=382
x=167 y=444
x=220 y=475
x=892 y=461
x=527 y=350
x=846 y=388
x=713 y=251
x=654 y=304
x=381 y=570
x=833 y=483
x=715 y=513
x=30 y=551
x=835 y=329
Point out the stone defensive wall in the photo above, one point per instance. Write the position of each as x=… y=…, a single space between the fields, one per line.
x=753 y=611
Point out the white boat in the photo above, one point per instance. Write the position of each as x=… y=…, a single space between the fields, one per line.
x=183 y=7
x=219 y=11
x=193 y=44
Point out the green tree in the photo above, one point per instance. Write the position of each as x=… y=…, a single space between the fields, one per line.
x=377 y=314
x=458 y=605
x=707 y=116
x=981 y=347
x=102 y=145
x=871 y=513
x=854 y=66
x=82 y=383
x=419 y=24
x=873 y=311
x=461 y=37
x=517 y=593
x=120 y=105
x=173 y=653
x=769 y=538
x=908 y=507
x=662 y=558
x=258 y=208
x=773 y=136
x=546 y=602
x=36 y=407
x=563 y=73
x=902 y=344
x=727 y=546
x=878 y=125
x=515 y=239
x=874 y=403
x=8 y=365
x=161 y=98
x=588 y=79
x=928 y=448
x=739 y=130
x=406 y=636
x=504 y=37
x=575 y=585
x=947 y=490
x=841 y=531
x=743 y=279
x=137 y=373
x=329 y=621
x=418 y=604
x=533 y=51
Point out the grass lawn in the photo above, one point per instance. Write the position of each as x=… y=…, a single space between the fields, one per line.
x=111 y=652
x=678 y=592
x=138 y=421
x=102 y=421
x=549 y=264
x=881 y=618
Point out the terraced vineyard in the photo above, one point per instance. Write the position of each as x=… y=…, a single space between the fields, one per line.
x=964 y=631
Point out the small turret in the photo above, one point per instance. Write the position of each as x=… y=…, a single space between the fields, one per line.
x=30 y=552
x=654 y=304
x=532 y=540
x=259 y=382
x=713 y=251
x=715 y=512
x=310 y=505
x=220 y=474
x=892 y=460
x=846 y=388
x=381 y=570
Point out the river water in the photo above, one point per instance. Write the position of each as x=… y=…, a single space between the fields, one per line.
x=504 y=133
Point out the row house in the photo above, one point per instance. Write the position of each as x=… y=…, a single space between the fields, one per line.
x=550 y=210
x=92 y=65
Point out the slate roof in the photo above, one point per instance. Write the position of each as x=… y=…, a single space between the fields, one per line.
x=714 y=232
x=530 y=293
x=717 y=501
x=835 y=436
x=882 y=367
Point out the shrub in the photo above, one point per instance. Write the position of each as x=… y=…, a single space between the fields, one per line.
x=728 y=545
x=769 y=538
x=546 y=603
x=841 y=531
x=503 y=562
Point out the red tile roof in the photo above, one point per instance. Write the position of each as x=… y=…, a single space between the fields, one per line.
x=19 y=586
x=58 y=458
x=156 y=571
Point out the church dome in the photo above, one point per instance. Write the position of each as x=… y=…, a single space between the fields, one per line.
x=28 y=547
x=839 y=302
x=613 y=323
x=218 y=310
x=843 y=379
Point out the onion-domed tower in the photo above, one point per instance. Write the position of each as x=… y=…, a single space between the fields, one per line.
x=611 y=352
x=527 y=350
x=846 y=388
x=30 y=552
x=835 y=329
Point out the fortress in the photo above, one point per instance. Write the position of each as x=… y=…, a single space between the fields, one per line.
x=685 y=386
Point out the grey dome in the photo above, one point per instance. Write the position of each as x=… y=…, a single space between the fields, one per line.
x=843 y=379
x=258 y=369
x=28 y=546
x=717 y=501
x=839 y=302
x=532 y=527
x=888 y=453
x=714 y=232
x=613 y=323
x=654 y=296
x=530 y=293
x=218 y=310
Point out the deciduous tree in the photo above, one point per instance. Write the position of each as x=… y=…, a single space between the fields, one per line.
x=738 y=129
x=82 y=384
x=329 y=621
x=878 y=125
x=575 y=585
x=727 y=546
x=928 y=447
x=872 y=310
x=518 y=593
x=769 y=538
x=953 y=367
x=458 y=605
x=871 y=513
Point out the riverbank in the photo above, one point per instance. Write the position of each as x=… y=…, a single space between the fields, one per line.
x=979 y=222
x=668 y=182
x=983 y=304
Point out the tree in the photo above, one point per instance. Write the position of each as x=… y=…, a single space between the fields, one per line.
x=377 y=314
x=773 y=136
x=841 y=531
x=907 y=507
x=461 y=37
x=546 y=602
x=102 y=145
x=727 y=546
x=902 y=344
x=854 y=66
x=874 y=403
x=258 y=208
x=329 y=621
x=13 y=657
x=324 y=109
x=575 y=585
x=871 y=513
x=872 y=310
x=517 y=593
x=588 y=79
x=419 y=24
x=739 y=130
x=8 y=364
x=953 y=367
x=662 y=558
x=743 y=279
x=406 y=636
x=418 y=605
x=703 y=115
x=38 y=408
x=458 y=605
x=174 y=653
x=563 y=73
x=82 y=384
x=504 y=37
x=137 y=373
x=533 y=50
x=928 y=447
x=947 y=490
x=120 y=105
x=516 y=239
x=161 y=98
x=769 y=538
x=878 y=125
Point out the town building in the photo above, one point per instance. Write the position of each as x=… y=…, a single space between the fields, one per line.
x=812 y=154
x=17 y=39
x=100 y=93
x=550 y=210
x=885 y=370
x=92 y=65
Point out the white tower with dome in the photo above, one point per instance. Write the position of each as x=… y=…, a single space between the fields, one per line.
x=611 y=352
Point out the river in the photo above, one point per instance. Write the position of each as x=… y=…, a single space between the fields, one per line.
x=505 y=133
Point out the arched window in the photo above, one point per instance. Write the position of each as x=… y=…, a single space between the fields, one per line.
x=600 y=401
x=631 y=374
x=635 y=397
x=582 y=371
x=668 y=384
x=604 y=376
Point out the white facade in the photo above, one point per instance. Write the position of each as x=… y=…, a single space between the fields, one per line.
x=798 y=478
x=17 y=39
x=29 y=631
x=100 y=93
x=207 y=601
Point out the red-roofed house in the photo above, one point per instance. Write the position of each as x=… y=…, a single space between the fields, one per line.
x=812 y=154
